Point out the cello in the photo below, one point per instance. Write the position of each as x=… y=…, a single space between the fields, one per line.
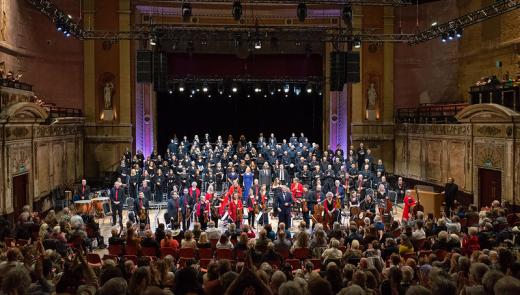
x=317 y=216
x=417 y=207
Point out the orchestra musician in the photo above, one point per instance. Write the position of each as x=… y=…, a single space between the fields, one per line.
x=369 y=205
x=360 y=185
x=409 y=202
x=235 y=188
x=252 y=208
x=133 y=184
x=310 y=199
x=339 y=192
x=284 y=205
x=194 y=192
x=117 y=199
x=330 y=210
x=401 y=189
x=202 y=212
x=188 y=203
x=82 y=192
x=235 y=208
x=141 y=206
x=297 y=193
x=262 y=201
x=173 y=208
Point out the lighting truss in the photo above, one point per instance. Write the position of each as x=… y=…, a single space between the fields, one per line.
x=229 y=33
x=497 y=8
x=296 y=2
x=57 y=15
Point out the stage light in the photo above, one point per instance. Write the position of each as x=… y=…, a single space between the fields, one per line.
x=249 y=95
x=346 y=14
x=59 y=26
x=279 y=90
x=258 y=44
x=191 y=95
x=287 y=95
x=451 y=35
x=297 y=90
x=301 y=11
x=192 y=91
x=67 y=34
x=308 y=88
x=186 y=10
x=220 y=89
x=458 y=34
x=236 y=11
x=170 y=91
x=444 y=38
x=286 y=88
x=205 y=87
x=265 y=95
x=434 y=24
x=357 y=42
x=69 y=16
x=258 y=88
x=181 y=87
x=229 y=96
x=209 y=95
x=152 y=41
x=234 y=88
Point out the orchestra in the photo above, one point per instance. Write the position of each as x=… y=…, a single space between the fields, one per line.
x=220 y=183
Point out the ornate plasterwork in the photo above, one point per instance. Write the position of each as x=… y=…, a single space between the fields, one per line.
x=23 y=112
x=434 y=129
x=487 y=113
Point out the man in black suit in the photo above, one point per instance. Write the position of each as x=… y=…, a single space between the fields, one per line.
x=117 y=199
x=284 y=204
x=82 y=191
x=141 y=203
x=450 y=192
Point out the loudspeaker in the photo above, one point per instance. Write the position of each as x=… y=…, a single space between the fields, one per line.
x=352 y=68
x=144 y=66
x=160 y=71
x=337 y=70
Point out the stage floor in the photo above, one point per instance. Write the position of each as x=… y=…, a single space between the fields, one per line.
x=105 y=223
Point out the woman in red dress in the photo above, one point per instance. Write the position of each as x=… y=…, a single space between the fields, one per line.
x=409 y=201
x=235 y=210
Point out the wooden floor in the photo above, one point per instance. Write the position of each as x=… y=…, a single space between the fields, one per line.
x=157 y=214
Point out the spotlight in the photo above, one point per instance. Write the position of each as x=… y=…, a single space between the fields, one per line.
x=236 y=11
x=152 y=41
x=286 y=88
x=186 y=10
x=279 y=90
x=205 y=87
x=357 y=42
x=458 y=34
x=191 y=95
x=444 y=38
x=170 y=91
x=451 y=35
x=67 y=34
x=209 y=95
x=234 y=88
x=265 y=95
x=297 y=90
x=308 y=88
x=287 y=95
x=434 y=24
x=220 y=89
x=229 y=96
x=192 y=92
x=258 y=44
x=69 y=16
x=258 y=88
x=249 y=95
x=301 y=11
x=59 y=26
x=346 y=14
x=181 y=87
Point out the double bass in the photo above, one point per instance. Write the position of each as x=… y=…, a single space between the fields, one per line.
x=240 y=213
x=317 y=216
x=417 y=207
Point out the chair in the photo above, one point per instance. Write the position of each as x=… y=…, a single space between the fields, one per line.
x=316 y=263
x=149 y=251
x=295 y=263
x=283 y=252
x=275 y=263
x=419 y=244
x=396 y=233
x=188 y=253
x=424 y=253
x=224 y=254
x=131 y=257
x=301 y=253
x=131 y=249
x=22 y=242
x=240 y=255
x=205 y=253
x=94 y=260
x=110 y=257
x=213 y=243
x=441 y=254
x=116 y=250
x=409 y=255
x=165 y=251
x=233 y=241
x=204 y=264
x=9 y=242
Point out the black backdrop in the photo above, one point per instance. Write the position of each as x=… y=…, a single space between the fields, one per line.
x=220 y=115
